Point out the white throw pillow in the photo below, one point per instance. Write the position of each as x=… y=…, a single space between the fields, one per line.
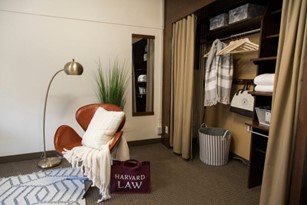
x=102 y=128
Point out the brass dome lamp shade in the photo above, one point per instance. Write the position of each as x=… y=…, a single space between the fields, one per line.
x=70 y=68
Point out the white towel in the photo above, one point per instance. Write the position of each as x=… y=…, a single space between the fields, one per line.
x=264 y=88
x=265 y=79
x=96 y=164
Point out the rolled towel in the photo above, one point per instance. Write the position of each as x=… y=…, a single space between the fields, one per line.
x=264 y=88
x=265 y=79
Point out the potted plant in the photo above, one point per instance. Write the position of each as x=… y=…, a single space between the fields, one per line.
x=112 y=83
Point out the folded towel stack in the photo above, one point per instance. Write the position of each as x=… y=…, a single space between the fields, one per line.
x=264 y=82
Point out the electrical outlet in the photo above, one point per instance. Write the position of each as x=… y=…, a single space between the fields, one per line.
x=166 y=129
x=159 y=130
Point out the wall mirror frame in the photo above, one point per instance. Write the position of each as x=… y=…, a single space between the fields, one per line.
x=143 y=49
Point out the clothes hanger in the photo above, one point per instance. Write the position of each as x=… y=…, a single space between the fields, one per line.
x=238 y=46
x=233 y=44
x=229 y=45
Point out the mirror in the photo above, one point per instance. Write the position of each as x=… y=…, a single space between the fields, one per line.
x=142 y=74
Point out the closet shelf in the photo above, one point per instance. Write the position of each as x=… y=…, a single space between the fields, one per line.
x=238 y=27
x=269 y=94
x=276 y=12
x=272 y=36
x=260 y=151
x=260 y=60
x=255 y=124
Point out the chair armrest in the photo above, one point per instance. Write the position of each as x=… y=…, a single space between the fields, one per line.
x=115 y=140
x=66 y=137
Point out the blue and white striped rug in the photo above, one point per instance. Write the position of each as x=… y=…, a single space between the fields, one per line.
x=56 y=186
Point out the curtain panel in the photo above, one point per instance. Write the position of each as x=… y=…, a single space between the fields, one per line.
x=286 y=98
x=182 y=67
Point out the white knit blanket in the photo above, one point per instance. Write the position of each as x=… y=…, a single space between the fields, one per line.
x=218 y=76
x=96 y=164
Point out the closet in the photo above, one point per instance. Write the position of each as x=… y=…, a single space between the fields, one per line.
x=266 y=26
x=266 y=64
x=204 y=10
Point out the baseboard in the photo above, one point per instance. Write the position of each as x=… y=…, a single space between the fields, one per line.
x=22 y=157
x=144 y=142
x=38 y=155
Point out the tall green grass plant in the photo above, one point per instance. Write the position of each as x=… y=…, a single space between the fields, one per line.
x=112 y=83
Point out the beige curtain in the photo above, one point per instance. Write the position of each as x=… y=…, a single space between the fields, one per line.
x=150 y=74
x=289 y=69
x=183 y=40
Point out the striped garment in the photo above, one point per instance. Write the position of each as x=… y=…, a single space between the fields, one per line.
x=218 y=76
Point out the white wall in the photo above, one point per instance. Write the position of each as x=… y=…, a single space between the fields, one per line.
x=38 y=37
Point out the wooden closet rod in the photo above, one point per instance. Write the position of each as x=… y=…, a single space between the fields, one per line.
x=241 y=34
x=242 y=81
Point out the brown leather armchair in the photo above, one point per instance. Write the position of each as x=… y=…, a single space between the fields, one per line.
x=66 y=137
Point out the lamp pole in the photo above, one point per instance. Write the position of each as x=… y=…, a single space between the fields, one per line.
x=71 y=68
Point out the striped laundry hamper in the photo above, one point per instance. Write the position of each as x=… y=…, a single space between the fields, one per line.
x=214 y=145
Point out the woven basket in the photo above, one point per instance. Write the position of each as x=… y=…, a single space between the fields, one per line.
x=214 y=145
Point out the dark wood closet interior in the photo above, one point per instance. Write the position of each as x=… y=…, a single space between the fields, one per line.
x=140 y=68
x=269 y=25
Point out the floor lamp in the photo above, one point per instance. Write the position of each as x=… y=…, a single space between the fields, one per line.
x=70 y=68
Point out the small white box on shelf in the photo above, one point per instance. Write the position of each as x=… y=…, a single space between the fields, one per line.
x=219 y=21
x=246 y=11
x=263 y=115
x=267 y=117
x=142 y=90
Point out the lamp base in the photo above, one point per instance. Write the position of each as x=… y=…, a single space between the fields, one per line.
x=49 y=162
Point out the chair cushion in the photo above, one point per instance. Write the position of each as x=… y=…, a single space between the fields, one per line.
x=102 y=128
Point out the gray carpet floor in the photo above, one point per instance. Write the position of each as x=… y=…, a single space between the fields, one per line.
x=173 y=180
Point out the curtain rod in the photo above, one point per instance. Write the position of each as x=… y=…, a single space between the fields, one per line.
x=241 y=34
